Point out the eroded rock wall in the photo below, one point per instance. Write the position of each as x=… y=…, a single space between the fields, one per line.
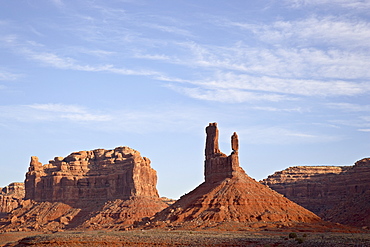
x=87 y=189
x=11 y=196
x=97 y=175
x=326 y=189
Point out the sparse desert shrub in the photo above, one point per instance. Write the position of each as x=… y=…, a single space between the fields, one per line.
x=299 y=240
x=292 y=235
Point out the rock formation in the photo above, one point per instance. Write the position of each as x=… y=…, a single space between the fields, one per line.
x=98 y=175
x=42 y=216
x=10 y=197
x=89 y=189
x=230 y=198
x=219 y=166
x=121 y=214
x=337 y=194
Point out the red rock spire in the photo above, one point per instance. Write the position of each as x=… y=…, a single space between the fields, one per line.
x=218 y=165
x=235 y=143
x=212 y=140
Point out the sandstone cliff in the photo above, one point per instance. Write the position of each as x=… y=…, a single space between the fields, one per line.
x=10 y=197
x=88 y=189
x=338 y=194
x=97 y=175
x=229 y=198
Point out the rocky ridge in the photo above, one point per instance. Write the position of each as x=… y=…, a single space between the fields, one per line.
x=337 y=194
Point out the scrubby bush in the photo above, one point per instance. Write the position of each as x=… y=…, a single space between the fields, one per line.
x=292 y=235
x=299 y=240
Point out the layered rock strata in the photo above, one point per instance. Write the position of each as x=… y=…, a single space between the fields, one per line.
x=87 y=189
x=97 y=175
x=229 y=197
x=338 y=194
x=11 y=196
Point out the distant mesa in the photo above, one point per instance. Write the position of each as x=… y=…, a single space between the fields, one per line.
x=336 y=193
x=229 y=198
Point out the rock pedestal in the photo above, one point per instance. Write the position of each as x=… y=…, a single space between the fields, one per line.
x=229 y=198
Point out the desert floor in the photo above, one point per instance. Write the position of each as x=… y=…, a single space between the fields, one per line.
x=182 y=238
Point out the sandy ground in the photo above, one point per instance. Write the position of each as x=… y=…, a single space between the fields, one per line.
x=182 y=238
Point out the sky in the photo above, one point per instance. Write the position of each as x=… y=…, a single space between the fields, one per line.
x=291 y=77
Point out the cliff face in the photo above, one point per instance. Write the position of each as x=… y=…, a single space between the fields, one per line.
x=11 y=196
x=87 y=189
x=229 y=198
x=97 y=175
x=334 y=193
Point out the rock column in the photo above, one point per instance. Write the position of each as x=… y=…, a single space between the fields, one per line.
x=218 y=165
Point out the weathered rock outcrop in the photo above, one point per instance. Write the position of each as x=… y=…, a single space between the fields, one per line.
x=98 y=175
x=337 y=194
x=88 y=189
x=121 y=214
x=11 y=196
x=230 y=198
x=41 y=216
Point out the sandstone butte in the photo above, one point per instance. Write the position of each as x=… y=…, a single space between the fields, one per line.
x=230 y=199
x=336 y=193
x=89 y=189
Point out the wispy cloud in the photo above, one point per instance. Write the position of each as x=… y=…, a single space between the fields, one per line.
x=329 y=30
x=61 y=62
x=7 y=76
x=162 y=57
x=169 y=29
x=168 y=118
x=275 y=109
x=355 y=4
x=226 y=95
x=93 y=52
x=285 y=62
x=236 y=88
x=51 y=113
x=308 y=57
x=287 y=86
x=349 y=107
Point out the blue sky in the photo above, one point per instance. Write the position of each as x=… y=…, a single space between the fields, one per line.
x=291 y=77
